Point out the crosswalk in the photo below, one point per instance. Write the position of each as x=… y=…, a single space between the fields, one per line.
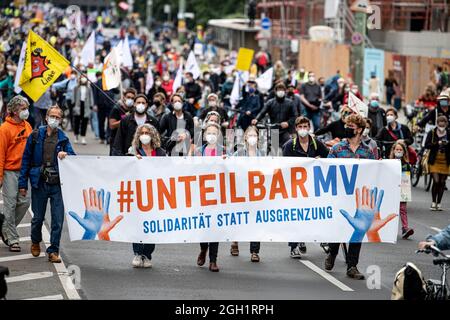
x=34 y=278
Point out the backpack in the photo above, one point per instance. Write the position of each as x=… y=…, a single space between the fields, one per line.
x=409 y=284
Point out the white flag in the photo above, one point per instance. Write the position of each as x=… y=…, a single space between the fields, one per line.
x=149 y=81
x=236 y=92
x=111 y=76
x=88 y=52
x=357 y=105
x=178 y=79
x=17 y=88
x=127 y=57
x=264 y=81
x=192 y=66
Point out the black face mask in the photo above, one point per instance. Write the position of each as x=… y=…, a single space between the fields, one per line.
x=349 y=133
x=157 y=103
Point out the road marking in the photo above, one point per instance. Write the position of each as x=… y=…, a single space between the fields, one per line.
x=20 y=257
x=24 y=225
x=55 y=297
x=436 y=229
x=29 y=276
x=63 y=274
x=326 y=275
x=24 y=239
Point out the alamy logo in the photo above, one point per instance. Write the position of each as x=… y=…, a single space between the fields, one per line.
x=374 y=18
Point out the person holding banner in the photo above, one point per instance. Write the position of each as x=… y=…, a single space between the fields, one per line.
x=129 y=124
x=40 y=165
x=146 y=143
x=250 y=149
x=212 y=148
x=399 y=151
x=351 y=147
x=305 y=146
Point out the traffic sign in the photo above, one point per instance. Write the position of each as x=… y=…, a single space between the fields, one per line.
x=357 y=38
x=266 y=23
x=361 y=6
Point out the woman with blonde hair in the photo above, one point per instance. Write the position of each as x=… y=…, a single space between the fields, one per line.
x=146 y=143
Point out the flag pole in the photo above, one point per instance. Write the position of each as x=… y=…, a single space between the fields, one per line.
x=95 y=85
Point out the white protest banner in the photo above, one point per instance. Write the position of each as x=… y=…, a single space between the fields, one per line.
x=192 y=66
x=215 y=199
x=264 y=81
x=357 y=105
x=88 y=53
x=17 y=87
x=405 y=187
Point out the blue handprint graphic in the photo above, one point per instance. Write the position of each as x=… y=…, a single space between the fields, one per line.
x=96 y=218
x=367 y=204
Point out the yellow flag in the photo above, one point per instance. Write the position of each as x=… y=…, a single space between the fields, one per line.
x=42 y=66
x=244 y=59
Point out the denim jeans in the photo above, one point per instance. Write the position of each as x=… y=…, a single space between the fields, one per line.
x=144 y=249
x=94 y=123
x=314 y=116
x=39 y=199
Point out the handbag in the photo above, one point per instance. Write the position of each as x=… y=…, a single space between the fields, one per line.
x=424 y=162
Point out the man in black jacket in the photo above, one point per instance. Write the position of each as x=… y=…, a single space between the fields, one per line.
x=376 y=114
x=177 y=128
x=281 y=110
x=193 y=92
x=305 y=146
x=104 y=105
x=442 y=109
x=129 y=124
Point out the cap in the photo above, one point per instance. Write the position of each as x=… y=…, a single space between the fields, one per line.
x=213 y=95
x=444 y=95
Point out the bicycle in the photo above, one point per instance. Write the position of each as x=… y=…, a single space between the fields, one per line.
x=437 y=289
x=268 y=127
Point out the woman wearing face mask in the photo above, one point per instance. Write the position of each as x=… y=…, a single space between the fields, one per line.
x=250 y=149
x=84 y=102
x=146 y=143
x=366 y=138
x=214 y=105
x=399 y=151
x=157 y=88
x=158 y=108
x=355 y=90
x=212 y=148
x=303 y=145
x=439 y=160
x=167 y=84
x=392 y=132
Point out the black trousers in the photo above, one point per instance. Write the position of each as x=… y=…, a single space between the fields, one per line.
x=80 y=121
x=213 y=250
x=352 y=255
x=103 y=115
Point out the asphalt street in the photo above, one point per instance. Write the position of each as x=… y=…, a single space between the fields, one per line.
x=104 y=269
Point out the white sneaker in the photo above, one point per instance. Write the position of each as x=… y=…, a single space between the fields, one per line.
x=439 y=207
x=295 y=253
x=76 y=140
x=83 y=141
x=137 y=262
x=433 y=206
x=146 y=262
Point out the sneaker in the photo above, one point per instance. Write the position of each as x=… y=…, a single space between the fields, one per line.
x=53 y=257
x=35 y=249
x=302 y=247
x=325 y=247
x=354 y=273
x=329 y=262
x=433 y=206
x=295 y=253
x=407 y=233
x=254 y=257
x=439 y=207
x=83 y=141
x=234 y=250
x=137 y=262
x=76 y=140
x=146 y=262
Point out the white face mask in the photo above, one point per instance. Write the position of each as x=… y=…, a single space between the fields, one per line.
x=390 y=119
x=398 y=154
x=145 y=139
x=53 y=123
x=212 y=103
x=252 y=141
x=129 y=102
x=302 y=132
x=280 y=94
x=442 y=129
x=177 y=106
x=211 y=138
x=312 y=79
x=355 y=91
x=166 y=78
x=140 y=108
x=158 y=83
x=24 y=114
x=366 y=132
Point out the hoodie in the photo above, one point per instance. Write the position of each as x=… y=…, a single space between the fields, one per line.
x=13 y=138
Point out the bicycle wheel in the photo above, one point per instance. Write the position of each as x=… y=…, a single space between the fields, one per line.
x=416 y=172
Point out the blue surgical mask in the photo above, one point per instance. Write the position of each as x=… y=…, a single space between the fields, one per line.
x=251 y=90
x=374 y=104
x=443 y=103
